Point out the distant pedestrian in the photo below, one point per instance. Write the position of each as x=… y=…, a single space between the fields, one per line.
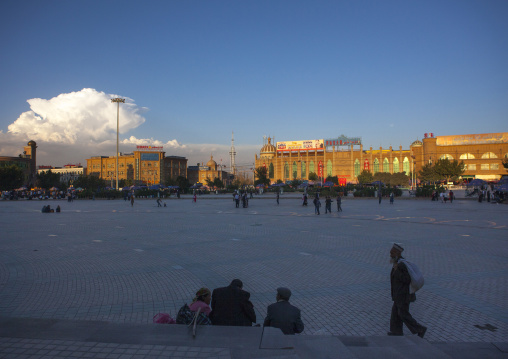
x=132 y=200
x=237 y=200
x=379 y=194
x=451 y=196
x=400 y=281
x=317 y=204
x=194 y=197
x=277 y=198
x=328 y=204
x=159 y=202
x=339 y=203
x=392 y=197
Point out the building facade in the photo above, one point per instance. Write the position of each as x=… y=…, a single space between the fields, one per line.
x=200 y=173
x=26 y=161
x=346 y=157
x=68 y=173
x=148 y=165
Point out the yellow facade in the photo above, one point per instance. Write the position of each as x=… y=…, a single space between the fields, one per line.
x=146 y=167
x=482 y=154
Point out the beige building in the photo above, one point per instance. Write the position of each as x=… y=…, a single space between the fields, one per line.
x=148 y=165
x=346 y=157
x=211 y=170
x=26 y=162
x=68 y=173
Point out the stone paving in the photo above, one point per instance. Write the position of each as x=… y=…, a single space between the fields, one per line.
x=105 y=260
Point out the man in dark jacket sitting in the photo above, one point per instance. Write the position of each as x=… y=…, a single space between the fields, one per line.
x=283 y=315
x=231 y=306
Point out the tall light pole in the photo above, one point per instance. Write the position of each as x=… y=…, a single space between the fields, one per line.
x=117 y=100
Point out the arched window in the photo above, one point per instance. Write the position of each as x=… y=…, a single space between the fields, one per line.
x=386 y=165
x=446 y=157
x=270 y=171
x=396 y=168
x=295 y=170
x=329 y=168
x=489 y=155
x=286 y=170
x=304 y=170
x=376 y=165
x=357 y=167
x=405 y=165
x=311 y=167
x=467 y=156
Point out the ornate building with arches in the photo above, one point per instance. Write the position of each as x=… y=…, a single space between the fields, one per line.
x=346 y=157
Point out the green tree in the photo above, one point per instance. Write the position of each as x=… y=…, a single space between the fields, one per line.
x=428 y=174
x=449 y=170
x=11 y=177
x=48 y=179
x=333 y=179
x=183 y=183
x=505 y=163
x=90 y=182
x=209 y=182
x=261 y=176
x=313 y=176
x=365 y=177
x=217 y=182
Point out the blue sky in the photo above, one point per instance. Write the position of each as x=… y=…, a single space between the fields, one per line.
x=194 y=71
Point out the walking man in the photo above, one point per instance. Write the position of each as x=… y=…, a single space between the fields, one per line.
x=400 y=281
x=317 y=204
x=339 y=203
x=277 y=198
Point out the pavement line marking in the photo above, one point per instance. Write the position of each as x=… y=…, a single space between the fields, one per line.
x=465 y=235
x=61 y=224
x=305 y=254
x=119 y=227
x=139 y=250
x=52 y=235
x=97 y=240
x=235 y=239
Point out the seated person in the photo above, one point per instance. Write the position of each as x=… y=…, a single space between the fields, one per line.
x=283 y=315
x=58 y=208
x=231 y=306
x=202 y=300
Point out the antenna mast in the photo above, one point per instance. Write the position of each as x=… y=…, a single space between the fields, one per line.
x=232 y=154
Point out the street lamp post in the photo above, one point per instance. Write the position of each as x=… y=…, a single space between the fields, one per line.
x=117 y=100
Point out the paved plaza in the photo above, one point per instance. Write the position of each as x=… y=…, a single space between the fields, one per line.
x=107 y=261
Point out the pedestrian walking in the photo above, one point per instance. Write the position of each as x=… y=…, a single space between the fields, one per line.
x=392 y=197
x=339 y=203
x=277 y=198
x=159 y=202
x=379 y=194
x=317 y=204
x=400 y=281
x=132 y=200
x=328 y=204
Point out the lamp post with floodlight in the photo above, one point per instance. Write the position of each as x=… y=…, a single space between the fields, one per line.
x=117 y=100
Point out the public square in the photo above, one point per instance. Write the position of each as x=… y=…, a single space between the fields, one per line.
x=107 y=261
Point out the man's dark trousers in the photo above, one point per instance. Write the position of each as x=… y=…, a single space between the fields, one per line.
x=400 y=315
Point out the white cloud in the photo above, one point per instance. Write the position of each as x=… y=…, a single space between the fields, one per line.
x=84 y=116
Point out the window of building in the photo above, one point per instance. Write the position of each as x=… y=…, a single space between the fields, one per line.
x=376 y=165
x=386 y=165
x=446 y=157
x=311 y=167
x=405 y=165
x=471 y=167
x=485 y=166
x=466 y=156
x=494 y=166
x=295 y=170
x=396 y=168
x=489 y=155
x=357 y=167
x=286 y=170
x=303 y=170
x=329 y=169
x=271 y=171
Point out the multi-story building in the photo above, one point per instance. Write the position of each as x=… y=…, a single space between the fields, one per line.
x=147 y=165
x=68 y=173
x=25 y=161
x=346 y=157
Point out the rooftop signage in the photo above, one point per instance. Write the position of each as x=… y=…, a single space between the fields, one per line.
x=149 y=148
x=483 y=138
x=307 y=145
x=343 y=141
